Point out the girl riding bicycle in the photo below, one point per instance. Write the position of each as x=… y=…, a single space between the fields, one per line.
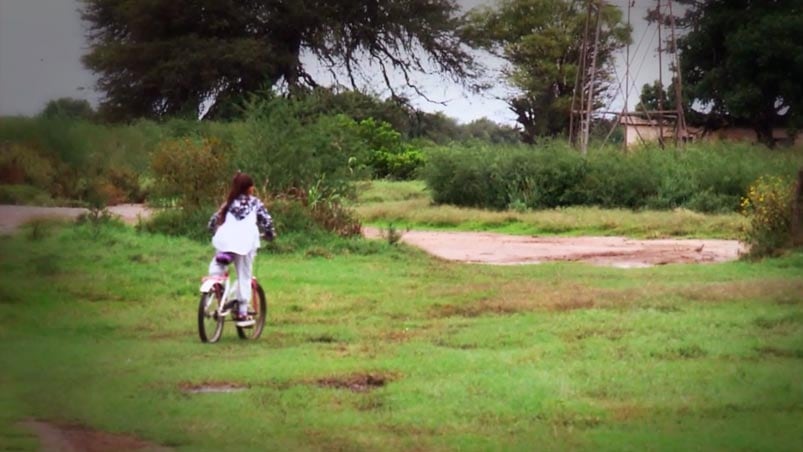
x=236 y=230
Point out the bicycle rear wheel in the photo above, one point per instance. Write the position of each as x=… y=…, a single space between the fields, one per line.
x=258 y=309
x=210 y=324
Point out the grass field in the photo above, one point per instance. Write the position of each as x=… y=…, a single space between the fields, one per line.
x=408 y=204
x=379 y=347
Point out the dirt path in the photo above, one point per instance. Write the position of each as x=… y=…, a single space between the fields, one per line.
x=483 y=247
x=74 y=438
x=12 y=217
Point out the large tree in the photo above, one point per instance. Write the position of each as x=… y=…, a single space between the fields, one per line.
x=543 y=40
x=743 y=59
x=165 y=57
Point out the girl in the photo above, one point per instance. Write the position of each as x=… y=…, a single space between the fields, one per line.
x=235 y=228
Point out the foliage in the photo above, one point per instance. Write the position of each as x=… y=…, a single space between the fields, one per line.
x=704 y=177
x=768 y=206
x=488 y=131
x=750 y=73
x=287 y=147
x=24 y=195
x=192 y=174
x=388 y=155
x=542 y=41
x=21 y=164
x=163 y=58
x=68 y=108
x=178 y=222
x=78 y=160
x=651 y=95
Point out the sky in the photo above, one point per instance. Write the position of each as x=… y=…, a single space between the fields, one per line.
x=42 y=41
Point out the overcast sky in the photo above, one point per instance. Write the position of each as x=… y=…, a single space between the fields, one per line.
x=42 y=41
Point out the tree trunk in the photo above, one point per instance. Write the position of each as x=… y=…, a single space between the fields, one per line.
x=763 y=126
x=797 y=211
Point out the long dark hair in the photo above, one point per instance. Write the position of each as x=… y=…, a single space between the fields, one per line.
x=239 y=186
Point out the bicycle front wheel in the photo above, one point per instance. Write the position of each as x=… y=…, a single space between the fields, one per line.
x=210 y=323
x=258 y=309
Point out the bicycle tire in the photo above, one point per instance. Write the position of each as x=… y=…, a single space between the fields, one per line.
x=258 y=309
x=208 y=316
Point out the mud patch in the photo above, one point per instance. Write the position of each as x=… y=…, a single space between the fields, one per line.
x=355 y=382
x=211 y=387
x=73 y=438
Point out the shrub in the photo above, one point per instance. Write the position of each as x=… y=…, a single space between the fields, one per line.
x=286 y=148
x=705 y=177
x=190 y=173
x=21 y=164
x=24 y=194
x=180 y=222
x=388 y=156
x=768 y=205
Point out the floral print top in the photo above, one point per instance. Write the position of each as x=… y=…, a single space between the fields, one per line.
x=241 y=207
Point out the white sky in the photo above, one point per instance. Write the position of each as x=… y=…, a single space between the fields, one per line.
x=42 y=41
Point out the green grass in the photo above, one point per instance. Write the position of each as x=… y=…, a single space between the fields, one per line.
x=98 y=329
x=409 y=204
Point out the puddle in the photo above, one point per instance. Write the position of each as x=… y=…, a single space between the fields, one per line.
x=212 y=388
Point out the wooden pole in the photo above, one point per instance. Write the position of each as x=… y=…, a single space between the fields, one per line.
x=580 y=83
x=590 y=107
x=660 y=80
x=627 y=73
x=680 y=126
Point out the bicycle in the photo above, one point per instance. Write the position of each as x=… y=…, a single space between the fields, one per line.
x=217 y=305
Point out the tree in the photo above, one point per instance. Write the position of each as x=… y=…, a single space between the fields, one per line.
x=751 y=72
x=484 y=129
x=67 y=107
x=542 y=40
x=650 y=94
x=167 y=57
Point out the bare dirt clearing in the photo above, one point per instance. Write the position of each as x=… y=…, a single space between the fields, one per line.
x=500 y=249
x=482 y=247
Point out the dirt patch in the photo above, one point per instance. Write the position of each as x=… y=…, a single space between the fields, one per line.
x=69 y=438
x=12 y=217
x=355 y=382
x=622 y=252
x=211 y=387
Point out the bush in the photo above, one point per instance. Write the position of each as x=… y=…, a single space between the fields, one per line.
x=21 y=164
x=705 y=177
x=190 y=173
x=768 y=205
x=388 y=156
x=286 y=149
x=24 y=194
x=180 y=222
x=83 y=157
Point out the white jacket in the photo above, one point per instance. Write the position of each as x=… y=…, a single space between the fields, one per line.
x=237 y=236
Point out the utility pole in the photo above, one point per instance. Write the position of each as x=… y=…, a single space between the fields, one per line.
x=627 y=77
x=579 y=85
x=680 y=126
x=584 y=139
x=660 y=80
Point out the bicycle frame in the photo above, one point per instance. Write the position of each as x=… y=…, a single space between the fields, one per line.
x=209 y=282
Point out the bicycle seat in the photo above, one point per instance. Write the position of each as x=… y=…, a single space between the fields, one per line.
x=224 y=258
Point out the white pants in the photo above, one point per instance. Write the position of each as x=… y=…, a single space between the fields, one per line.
x=244 y=264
